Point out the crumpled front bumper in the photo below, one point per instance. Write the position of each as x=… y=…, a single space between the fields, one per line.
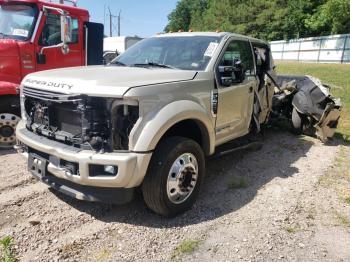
x=131 y=166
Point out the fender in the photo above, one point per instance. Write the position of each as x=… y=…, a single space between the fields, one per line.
x=168 y=116
x=8 y=88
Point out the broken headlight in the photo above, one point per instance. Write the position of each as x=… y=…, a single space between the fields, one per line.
x=124 y=116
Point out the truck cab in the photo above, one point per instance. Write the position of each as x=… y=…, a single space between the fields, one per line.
x=31 y=40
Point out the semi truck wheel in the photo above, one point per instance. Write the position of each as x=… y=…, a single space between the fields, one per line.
x=174 y=176
x=8 y=123
x=9 y=118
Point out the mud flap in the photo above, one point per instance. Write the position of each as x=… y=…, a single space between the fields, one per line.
x=327 y=125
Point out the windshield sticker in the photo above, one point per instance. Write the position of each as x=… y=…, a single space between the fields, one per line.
x=20 y=32
x=211 y=49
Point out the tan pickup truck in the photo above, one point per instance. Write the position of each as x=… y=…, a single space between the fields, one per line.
x=151 y=117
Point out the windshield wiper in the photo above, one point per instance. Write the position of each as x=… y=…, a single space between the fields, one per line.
x=117 y=63
x=153 y=64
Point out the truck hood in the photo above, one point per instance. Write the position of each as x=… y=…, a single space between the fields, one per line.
x=9 y=61
x=107 y=81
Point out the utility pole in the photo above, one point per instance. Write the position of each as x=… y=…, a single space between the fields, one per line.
x=119 y=23
x=110 y=22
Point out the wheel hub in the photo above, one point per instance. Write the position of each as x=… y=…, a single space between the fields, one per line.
x=8 y=123
x=182 y=178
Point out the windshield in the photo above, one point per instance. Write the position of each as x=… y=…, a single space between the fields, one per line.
x=183 y=52
x=17 y=21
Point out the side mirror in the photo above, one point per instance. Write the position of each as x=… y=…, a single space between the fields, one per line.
x=66 y=32
x=232 y=74
x=239 y=70
x=41 y=59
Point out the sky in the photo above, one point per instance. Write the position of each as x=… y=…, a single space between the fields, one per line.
x=138 y=17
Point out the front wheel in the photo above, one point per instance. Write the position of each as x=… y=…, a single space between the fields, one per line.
x=9 y=118
x=8 y=123
x=174 y=176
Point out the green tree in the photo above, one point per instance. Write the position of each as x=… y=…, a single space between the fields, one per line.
x=186 y=13
x=265 y=19
x=333 y=17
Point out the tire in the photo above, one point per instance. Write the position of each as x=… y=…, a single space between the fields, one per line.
x=297 y=122
x=165 y=186
x=9 y=118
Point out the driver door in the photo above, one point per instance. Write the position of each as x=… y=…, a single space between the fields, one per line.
x=51 y=36
x=235 y=100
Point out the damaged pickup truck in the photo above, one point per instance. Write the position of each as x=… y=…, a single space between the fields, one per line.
x=149 y=118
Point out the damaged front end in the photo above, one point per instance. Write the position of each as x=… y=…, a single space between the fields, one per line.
x=308 y=104
x=87 y=123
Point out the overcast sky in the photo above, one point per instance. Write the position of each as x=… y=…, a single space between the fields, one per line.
x=138 y=17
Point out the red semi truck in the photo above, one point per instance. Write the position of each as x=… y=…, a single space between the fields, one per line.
x=38 y=35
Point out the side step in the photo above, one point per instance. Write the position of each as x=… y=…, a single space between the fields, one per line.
x=246 y=143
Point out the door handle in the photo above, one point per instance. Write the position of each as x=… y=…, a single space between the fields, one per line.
x=250 y=89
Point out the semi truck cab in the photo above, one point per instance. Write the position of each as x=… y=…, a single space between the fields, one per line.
x=37 y=35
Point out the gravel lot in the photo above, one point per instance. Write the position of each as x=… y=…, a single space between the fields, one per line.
x=281 y=213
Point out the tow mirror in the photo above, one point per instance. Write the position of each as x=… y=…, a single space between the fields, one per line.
x=66 y=32
x=232 y=74
x=239 y=70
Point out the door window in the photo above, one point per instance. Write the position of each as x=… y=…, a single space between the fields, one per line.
x=51 y=34
x=239 y=50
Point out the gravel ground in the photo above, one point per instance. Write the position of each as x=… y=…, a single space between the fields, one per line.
x=281 y=213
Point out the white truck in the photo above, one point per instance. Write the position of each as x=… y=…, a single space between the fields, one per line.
x=149 y=118
x=114 y=46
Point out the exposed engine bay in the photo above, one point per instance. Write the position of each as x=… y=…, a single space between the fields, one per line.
x=308 y=104
x=100 y=124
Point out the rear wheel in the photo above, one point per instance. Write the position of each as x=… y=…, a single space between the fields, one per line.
x=174 y=176
x=302 y=124
x=297 y=122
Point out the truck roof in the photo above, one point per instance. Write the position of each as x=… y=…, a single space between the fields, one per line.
x=70 y=9
x=217 y=34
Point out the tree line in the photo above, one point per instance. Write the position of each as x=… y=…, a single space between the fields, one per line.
x=265 y=19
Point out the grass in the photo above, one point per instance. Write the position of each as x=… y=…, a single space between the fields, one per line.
x=187 y=246
x=338 y=177
x=342 y=219
x=347 y=200
x=103 y=255
x=335 y=75
x=238 y=182
x=291 y=230
x=8 y=253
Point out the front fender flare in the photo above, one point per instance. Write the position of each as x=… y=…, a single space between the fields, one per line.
x=168 y=116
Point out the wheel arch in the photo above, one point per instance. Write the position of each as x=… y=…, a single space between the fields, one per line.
x=181 y=118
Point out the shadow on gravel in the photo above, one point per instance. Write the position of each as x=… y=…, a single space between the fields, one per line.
x=217 y=198
x=4 y=152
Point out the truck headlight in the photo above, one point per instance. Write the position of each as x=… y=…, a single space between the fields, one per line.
x=124 y=115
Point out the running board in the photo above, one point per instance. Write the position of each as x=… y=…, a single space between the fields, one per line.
x=244 y=144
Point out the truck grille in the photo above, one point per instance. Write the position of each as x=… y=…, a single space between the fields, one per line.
x=49 y=96
x=75 y=120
